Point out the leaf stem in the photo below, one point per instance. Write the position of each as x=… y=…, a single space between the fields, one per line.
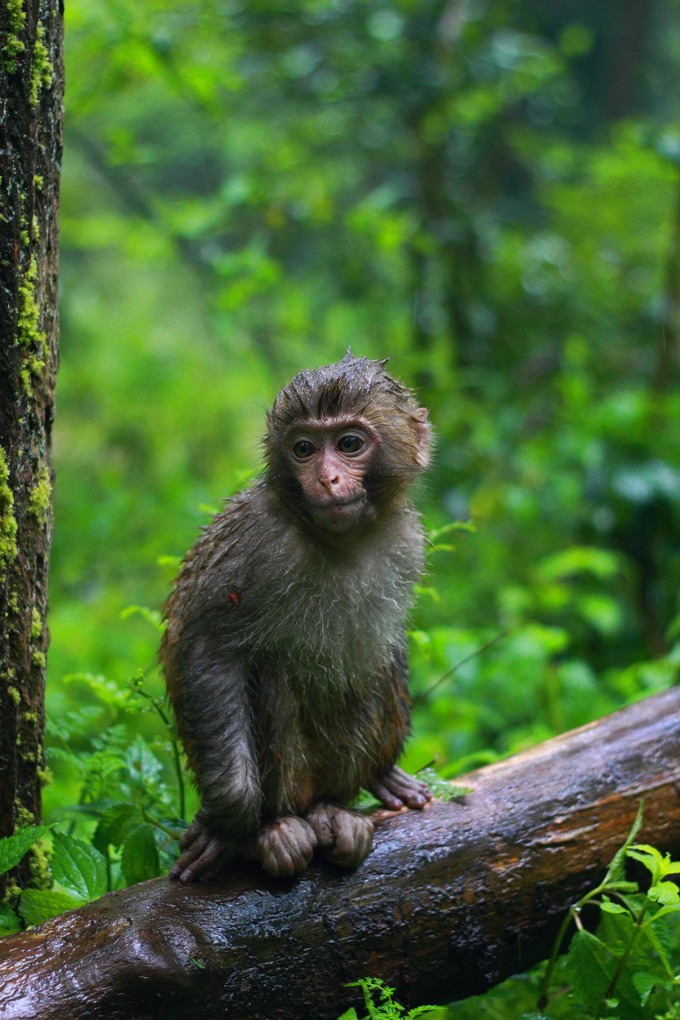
x=623 y=958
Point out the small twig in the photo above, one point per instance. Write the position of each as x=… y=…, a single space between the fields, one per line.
x=449 y=673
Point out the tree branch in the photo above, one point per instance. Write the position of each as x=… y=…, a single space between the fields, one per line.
x=449 y=902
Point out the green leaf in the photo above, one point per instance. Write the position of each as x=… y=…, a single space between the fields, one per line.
x=38 y=905
x=151 y=616
x=169 y=561
x=601 y=563
x=13 y=848
x=654 y=944
x=590 y=966
x=649 y=856
x=78 y=867
x=142 y=762
x=9 y=922
x=106 y=690
x=644 y=984
x=660 y=865
x=616 y=869
x=467 y=526
x=665 y=893
x=602 y=611
x=114 y=825
x=140 y=859
x=612 y=908
x=661 y=912
x=443 y=789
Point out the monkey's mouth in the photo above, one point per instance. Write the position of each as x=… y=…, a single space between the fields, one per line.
x=338 y=505
x=338 y=514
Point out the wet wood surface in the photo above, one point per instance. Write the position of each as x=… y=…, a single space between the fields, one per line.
x=449 y=902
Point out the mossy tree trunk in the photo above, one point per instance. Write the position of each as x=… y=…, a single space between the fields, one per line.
x=31 y=91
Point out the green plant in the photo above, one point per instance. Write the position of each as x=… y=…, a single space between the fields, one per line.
x=12 y=850
x=117 y=755
x=628 y=967
x=380 y=1004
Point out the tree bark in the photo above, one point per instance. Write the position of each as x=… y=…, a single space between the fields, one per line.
x=449 y=902
x=31 y=86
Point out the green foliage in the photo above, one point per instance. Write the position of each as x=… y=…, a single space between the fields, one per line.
x=129 y=807
x=123 y=782
x=441 y=788
x=380 y=1004
x=13 y=848
x=140 y=858
x=625 y=965
x=78 y=867
x=38 y=905
x=10 y=923
x=628 y=969
x=79 y=874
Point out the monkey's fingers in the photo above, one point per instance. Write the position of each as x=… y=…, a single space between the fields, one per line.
x=203 y=859
x=285 y=847
x=397 y=789
x=193 y=833
x=345 y=836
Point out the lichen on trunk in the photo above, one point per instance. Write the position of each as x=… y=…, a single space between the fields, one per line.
x=31 y=82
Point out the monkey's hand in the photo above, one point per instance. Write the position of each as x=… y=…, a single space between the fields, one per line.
x=396 y=789
x=344 y=836
x=204 y=852
x=285 y=847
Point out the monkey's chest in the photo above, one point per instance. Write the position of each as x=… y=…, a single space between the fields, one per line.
x=334 y=621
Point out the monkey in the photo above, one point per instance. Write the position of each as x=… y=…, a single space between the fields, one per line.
x=284 y=649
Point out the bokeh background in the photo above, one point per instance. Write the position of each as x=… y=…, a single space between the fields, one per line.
x=487 y=191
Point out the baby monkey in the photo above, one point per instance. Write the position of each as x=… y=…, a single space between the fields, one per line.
x=285 y=652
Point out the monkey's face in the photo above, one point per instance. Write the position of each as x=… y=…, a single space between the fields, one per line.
x=330 y=460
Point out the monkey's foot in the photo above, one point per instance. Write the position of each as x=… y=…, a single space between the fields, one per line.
x=396 y=789
x=344 y=836
x=204 y=854
x=285 y=847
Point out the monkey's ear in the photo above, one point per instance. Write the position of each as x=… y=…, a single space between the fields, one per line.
x=423 y=437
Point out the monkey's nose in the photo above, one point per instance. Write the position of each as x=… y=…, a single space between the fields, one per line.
x=330 y=482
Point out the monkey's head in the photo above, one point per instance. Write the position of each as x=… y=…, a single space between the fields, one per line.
x=344 y=442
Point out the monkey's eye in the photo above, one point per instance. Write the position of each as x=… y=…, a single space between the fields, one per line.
x=303 y=449
x=351 y=443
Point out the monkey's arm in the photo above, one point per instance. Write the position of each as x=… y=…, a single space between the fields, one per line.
x=393 y=787
x=209 y=693
x=221 y=753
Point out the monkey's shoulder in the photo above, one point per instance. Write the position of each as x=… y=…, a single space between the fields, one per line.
x=231 y=542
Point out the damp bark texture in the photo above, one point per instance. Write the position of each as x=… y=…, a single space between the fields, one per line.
x=449 y=902
x=31 y=87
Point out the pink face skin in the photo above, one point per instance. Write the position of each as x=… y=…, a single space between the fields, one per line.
x=330 y=460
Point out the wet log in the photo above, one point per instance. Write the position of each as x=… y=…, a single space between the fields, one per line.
x=449 y=902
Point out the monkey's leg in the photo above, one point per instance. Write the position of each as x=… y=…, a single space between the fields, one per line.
x=285 y=846
x=344 y=836
x=396 y=789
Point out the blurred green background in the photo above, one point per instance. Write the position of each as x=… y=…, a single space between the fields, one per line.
x=487 y=192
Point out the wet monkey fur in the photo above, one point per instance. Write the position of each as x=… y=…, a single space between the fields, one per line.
x=284 y=652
